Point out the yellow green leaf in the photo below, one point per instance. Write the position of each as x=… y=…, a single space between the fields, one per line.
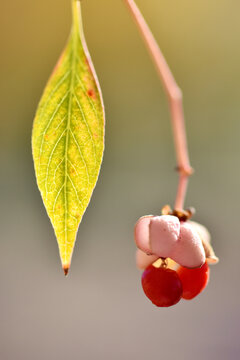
x=68 y=139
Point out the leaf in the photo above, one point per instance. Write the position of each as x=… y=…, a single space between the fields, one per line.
x=68 y=139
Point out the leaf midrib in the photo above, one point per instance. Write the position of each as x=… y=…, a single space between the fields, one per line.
x=68 y=129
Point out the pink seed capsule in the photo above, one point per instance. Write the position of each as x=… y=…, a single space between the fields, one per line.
x=189 y=251
x=164 y=232
x=166 y=237
x=141 y=233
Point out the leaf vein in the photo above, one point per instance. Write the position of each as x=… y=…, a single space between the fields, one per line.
x=49 y=161
x=49 y=123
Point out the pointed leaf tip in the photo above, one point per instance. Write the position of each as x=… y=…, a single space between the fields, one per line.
x=66 y=270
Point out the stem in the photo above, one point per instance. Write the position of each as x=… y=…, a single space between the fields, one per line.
x=174 y=94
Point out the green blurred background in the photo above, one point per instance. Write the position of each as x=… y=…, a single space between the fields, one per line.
x=99 y=311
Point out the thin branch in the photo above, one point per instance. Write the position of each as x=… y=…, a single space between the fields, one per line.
x=174 y=94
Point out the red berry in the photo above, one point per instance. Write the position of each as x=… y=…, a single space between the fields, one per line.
x=162 y=286
x=193 y=280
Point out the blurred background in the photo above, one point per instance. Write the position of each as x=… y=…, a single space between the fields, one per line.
x=100 y=311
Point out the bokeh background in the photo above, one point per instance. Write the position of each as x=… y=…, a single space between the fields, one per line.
x=99 y=311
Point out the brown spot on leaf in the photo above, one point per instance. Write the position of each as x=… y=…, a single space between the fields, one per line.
x=91 y=93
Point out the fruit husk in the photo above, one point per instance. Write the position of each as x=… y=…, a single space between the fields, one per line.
x=206 y=241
